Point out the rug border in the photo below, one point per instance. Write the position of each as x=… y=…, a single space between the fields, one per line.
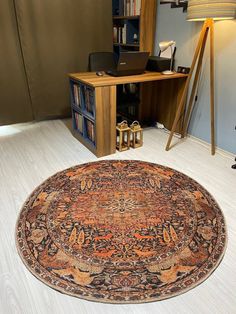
x=106 y=301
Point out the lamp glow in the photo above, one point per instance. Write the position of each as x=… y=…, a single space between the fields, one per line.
x=200 y=10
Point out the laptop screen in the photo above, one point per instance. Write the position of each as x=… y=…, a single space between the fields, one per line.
x=132 y=60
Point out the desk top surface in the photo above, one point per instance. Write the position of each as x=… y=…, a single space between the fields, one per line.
x=90 y=78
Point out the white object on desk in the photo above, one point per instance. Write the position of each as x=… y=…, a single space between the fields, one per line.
x=167 y=51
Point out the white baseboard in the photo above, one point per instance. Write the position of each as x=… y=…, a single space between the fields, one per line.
x=204 y=143
x=219 y=150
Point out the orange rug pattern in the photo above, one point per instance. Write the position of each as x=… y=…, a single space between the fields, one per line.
x=121 y=232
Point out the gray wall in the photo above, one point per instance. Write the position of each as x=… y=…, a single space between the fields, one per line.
x=172 y=25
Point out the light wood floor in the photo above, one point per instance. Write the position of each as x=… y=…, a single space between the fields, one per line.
x=30 y=153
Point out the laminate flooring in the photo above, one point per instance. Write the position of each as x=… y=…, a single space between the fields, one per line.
x=29 y=153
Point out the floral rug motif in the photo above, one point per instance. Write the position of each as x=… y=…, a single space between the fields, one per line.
x=121 y=232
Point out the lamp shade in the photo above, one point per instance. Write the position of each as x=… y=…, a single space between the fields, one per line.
x=164 y=45
x=200 y=10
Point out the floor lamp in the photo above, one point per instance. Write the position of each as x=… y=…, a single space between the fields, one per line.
x=208 y=11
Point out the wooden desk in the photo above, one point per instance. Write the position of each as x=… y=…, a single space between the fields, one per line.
x=160 y=94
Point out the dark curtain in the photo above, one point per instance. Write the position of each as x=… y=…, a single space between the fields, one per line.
x=56 y=37
x=15 y=104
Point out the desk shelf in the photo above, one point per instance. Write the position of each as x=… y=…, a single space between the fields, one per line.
x=128 y=101
x=131 y=45
x=126 y=17
x=126 y=32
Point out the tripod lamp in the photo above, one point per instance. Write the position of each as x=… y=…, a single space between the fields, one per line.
x=207 y=11
x=164 y=45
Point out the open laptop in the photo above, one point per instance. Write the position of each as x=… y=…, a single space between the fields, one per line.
x=130 y=63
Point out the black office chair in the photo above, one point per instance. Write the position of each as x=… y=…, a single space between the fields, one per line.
x=102 y=61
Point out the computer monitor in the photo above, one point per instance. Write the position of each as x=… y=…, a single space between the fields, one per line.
x=130 y=63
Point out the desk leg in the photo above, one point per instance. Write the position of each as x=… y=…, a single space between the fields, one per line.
x=105 y=98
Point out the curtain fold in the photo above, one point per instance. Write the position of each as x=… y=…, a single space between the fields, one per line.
x=15 y=103
x=55 y=39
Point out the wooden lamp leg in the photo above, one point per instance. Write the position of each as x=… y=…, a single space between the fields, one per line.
x=212 y=84
x=183 y=98
x=208 y=25
x=195 y=82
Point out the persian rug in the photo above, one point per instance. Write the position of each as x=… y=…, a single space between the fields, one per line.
x=121 y=232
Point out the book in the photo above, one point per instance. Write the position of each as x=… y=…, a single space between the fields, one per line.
x=78 y=122
x=120 y=35
x=128 y=7
x=115 y=34
x=124 y=35
x=90 y=130
x=89 y=100
x=138 y=7
x=131 y=7
x=125 y=7
x=76 y=92
x=121 y=8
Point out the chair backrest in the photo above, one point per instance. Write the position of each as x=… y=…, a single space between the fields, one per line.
x=102 y=61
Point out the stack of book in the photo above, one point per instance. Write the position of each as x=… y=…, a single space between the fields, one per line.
x=132 y=7
x=76 y=91
x=79 y=122
x=90 y=130
x=89 y=100
x=119 y=34
x=127 y=8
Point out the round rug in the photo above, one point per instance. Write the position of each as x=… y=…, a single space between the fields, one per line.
x=121 y=232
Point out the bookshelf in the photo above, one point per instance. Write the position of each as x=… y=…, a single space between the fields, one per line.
x=83 y=112
x=134 y=24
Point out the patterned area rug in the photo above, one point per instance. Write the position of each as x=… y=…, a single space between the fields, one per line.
x=121 y=232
